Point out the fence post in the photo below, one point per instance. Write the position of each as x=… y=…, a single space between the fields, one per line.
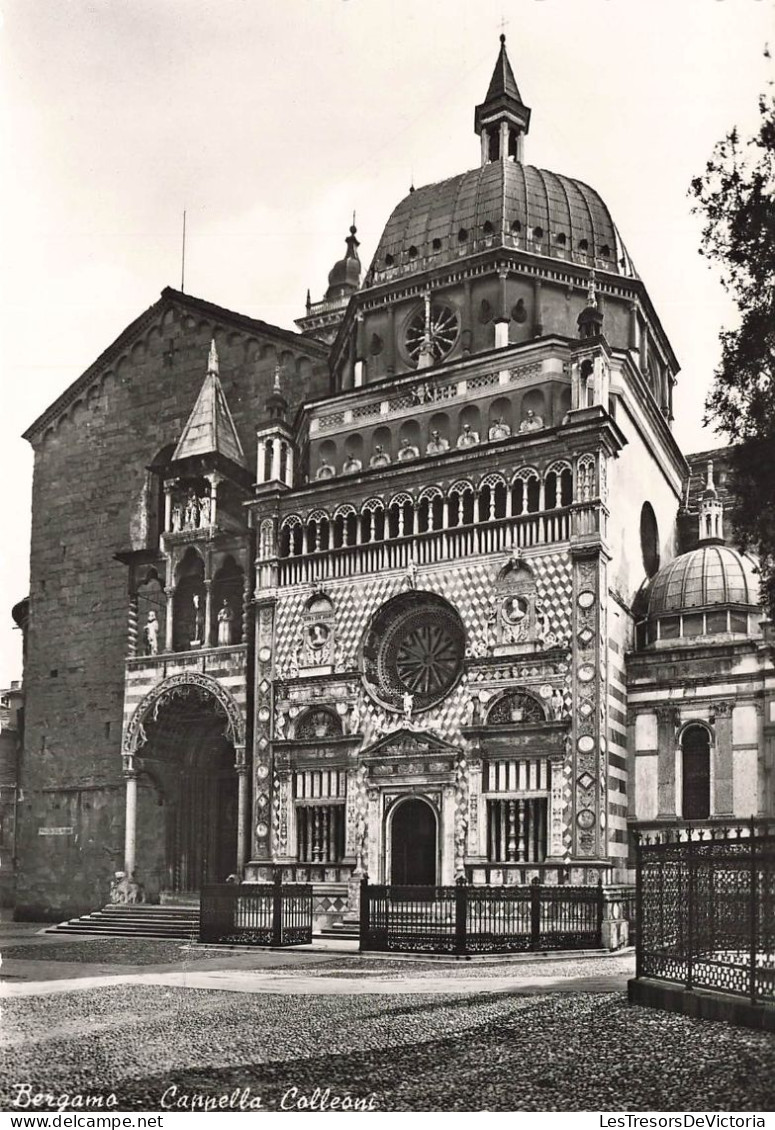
x=535 y=913
x=753 y=895
x=600 y=910
x=363 y=912
x=638 y=905
x=461 y=915
x=277 y=910
x=690 y=906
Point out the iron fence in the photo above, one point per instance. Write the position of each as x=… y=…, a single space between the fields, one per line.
x=706 y=908
x=465 y=919
x=256 y=914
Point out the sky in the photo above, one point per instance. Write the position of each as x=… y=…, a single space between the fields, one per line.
x=270 y=121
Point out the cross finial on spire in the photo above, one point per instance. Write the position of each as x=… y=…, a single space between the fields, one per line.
x=212 y=360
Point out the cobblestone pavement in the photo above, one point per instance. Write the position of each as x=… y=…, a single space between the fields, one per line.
x=155 y=1047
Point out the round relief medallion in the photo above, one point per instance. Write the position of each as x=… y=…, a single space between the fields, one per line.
x=545 y=691
x=586 y=598
x=586 y=819
x=262 y=830
x=586 y=672
x=262 y=772
x=265 y=654
x=413 y=652
x=586 y=744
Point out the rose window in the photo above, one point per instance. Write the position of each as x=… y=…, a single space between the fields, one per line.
x=441 y=333
x=413 y=651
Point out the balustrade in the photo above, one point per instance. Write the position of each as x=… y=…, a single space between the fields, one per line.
x=428 y=547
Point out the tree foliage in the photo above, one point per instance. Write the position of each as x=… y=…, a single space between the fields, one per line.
x=736 y=197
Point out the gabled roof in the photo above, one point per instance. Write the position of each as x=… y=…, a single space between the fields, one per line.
x=126 y=338
x=210 y=428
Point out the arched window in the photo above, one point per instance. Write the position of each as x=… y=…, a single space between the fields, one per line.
x=695 y=754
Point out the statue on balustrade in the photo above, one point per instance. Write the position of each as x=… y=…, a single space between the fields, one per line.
x=531 y=422
x=407 y=451
x=380 y=458
x=325 y=470
x=177 y=518
x=204 y=511
x=499 y=429
x=468 y=437
x=437 y=443
x=151 y=634
x=191 y=513
x=352 y=466
x=225 y=624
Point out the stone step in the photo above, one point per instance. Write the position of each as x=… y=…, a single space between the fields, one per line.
x=140 y=921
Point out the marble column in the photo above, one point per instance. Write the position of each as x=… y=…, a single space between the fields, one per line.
x=130 y=822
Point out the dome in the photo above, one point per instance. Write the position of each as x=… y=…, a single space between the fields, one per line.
x=501 y=204
x=708 y=575
x=345 y=276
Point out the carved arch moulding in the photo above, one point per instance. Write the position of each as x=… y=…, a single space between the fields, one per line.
x=180 y=686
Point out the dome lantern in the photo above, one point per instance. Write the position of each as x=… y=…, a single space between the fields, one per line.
x=503 y=119
x=711 y=519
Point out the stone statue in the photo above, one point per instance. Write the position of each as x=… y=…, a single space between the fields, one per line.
x=355 y=718
x=423 y=393
x=437 y=443
x=225 y=623
x=204 y=511
x=407 y=702
x=325 y=470
x=499 y=429
x=468 y=437
x=380 y=458
x=191 y=512
x=352 y=466
x=198 y=620
x=124 y=889
x=557 y=703
x=151 y=634
x=407 y=451
x=531 y=422
x=474 y=711
x=177 y=518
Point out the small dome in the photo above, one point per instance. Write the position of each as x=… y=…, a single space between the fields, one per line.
x=708 y=575
x=345 y=276
x=506 y=204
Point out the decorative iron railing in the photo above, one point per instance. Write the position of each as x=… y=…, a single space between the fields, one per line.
x=465 y=919
x=706 y=908
x=256 y=914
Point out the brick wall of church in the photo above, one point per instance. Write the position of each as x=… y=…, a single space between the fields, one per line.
x=89 y=480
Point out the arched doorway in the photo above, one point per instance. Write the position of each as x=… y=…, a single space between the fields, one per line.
x=413 y=844
x=189 y=837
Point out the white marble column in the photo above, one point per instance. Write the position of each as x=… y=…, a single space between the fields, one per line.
x=130 y=824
